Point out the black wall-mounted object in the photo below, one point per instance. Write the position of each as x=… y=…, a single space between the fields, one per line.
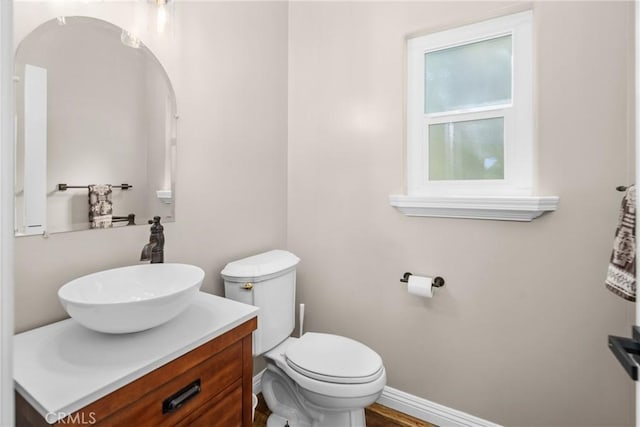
x=627 y=351
x=437 y=282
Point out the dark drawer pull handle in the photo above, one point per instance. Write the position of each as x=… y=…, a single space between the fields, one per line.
x=175 y=402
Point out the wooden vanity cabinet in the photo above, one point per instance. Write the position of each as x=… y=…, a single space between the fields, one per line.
x=208 y=386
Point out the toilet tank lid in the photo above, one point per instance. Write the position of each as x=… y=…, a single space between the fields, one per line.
x=257 y=266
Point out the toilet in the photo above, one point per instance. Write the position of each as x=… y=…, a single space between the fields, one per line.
x=317 y=380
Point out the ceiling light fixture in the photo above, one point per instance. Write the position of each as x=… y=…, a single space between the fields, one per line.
x=161 y=15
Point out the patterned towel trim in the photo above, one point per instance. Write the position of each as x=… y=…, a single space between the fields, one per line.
x=621 y=283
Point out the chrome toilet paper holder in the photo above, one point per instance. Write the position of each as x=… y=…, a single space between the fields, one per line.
x=437 y=282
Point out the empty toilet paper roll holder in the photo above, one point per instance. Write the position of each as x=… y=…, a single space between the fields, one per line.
x=437 y=282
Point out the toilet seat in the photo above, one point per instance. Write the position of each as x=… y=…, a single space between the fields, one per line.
x=277 y=358
x=334 y=359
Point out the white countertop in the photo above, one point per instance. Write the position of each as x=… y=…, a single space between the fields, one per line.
x=62 y=367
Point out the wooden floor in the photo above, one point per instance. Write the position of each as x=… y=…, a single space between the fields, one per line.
x=377 y=416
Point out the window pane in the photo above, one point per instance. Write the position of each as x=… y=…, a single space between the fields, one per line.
x=471 y=149
x=472 y=75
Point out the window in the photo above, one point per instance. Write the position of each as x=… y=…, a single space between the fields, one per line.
x=470 y=123
x=469 y=112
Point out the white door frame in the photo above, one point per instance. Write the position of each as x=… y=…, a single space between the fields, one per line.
x=6 y=213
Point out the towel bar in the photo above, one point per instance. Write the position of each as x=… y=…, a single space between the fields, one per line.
x=130 y=219
x=64 y=187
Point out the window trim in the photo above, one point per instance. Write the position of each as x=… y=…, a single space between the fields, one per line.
x=502 y=208
x=506 y=201
x=518 y=144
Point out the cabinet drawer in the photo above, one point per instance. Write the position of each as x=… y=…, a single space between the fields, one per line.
x=214 y=375
x=221 y=411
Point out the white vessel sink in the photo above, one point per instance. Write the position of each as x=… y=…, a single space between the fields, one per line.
x=131 y=299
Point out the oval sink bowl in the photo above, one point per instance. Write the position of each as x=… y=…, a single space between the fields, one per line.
x=131 y=299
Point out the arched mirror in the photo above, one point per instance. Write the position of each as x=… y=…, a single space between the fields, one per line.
x=95 y=129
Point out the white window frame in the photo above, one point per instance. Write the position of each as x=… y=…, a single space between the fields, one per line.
x=509 y=199
x=518 y=114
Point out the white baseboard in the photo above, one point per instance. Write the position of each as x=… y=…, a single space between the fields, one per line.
x=415 y=406
x=431 y=412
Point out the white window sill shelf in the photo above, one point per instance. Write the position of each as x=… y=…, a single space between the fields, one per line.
x=502 y=208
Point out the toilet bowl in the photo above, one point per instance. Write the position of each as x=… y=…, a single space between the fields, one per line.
x=317 y=380
x=309 y=389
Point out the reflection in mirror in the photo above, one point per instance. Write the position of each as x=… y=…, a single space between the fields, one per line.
x=95 y=129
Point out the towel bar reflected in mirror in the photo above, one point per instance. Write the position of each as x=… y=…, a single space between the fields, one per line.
x=64 y=187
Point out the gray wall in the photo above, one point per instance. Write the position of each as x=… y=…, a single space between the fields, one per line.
x=518 y=335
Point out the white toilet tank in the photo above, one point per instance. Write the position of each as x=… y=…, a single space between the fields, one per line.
x=267 y=281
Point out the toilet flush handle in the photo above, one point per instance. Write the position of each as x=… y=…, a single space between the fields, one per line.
x=247 y=286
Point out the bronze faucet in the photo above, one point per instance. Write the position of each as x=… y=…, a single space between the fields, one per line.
x=154 y=250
